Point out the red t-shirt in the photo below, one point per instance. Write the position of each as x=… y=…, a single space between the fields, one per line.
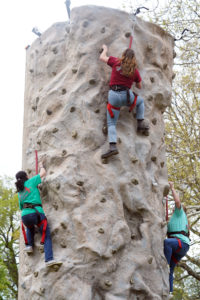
x=117 y=78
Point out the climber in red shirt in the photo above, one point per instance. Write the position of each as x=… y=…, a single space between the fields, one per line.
x=124 y=74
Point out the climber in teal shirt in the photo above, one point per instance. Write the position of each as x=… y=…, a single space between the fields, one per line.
x=177 y=244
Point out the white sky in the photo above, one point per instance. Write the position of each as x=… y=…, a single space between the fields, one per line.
x=17 y=18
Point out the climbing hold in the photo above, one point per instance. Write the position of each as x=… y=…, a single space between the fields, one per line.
x=103 y=30
x=55 y=205
x=23 y=285
x=150 y=260
x=39 y=142
x=135 y=181
x=51 y=172
x=63 y=243
x=37 y=100
x=108 y=283
x=113 y=251
x=131 y=281
x=74 y=134
x=74 y=71
x=134 y=159
x=49 y=112
x=85 y=24
x=163 y=224
x=150 y=98
x=154 y=158
x=34 y=107
x=31 y=71
x=55 y=50
x=174 y=54
x=119 y=140
x=72 y=109
x=152 y=79
x=64 y=152
x=41 y=248
x=29 y=171
x=165 y=66
x=80 y=183
x=92 y=81
x=57 y=185
x=166 y=190
x=173 y=75
x=42 y=290
x=54 y=73
x=97 y=111
x=127 y=34
x=35 y=274
x=104 y=161
x=154 y=121
x=133 y=235
x=103 y=200
x=55 y=130
x=162 y=164
x=64 y=91
x=101 y=230
x=149 y=47
x=105 y=129
x=64 y=225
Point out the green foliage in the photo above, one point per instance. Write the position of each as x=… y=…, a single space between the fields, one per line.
x=9 y=240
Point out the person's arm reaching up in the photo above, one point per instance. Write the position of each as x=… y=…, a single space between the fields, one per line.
x=175 y=195
x=42 y=170
x=103 y=56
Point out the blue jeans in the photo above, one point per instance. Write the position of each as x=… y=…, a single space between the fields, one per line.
x=119 y=99
x=29 y=221
x=170 y=250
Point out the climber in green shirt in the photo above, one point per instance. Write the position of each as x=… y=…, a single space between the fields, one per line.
x=177 y=244
x=33 y=214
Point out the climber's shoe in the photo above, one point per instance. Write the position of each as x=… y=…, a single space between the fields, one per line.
x=112 y=151
x=143 y=127
x=170 y=296
x=28 y=249
x=53 y=262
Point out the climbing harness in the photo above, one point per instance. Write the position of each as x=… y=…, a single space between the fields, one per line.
x=177 y=232
x=40 y=223
x=119 y=88
x=178 y=250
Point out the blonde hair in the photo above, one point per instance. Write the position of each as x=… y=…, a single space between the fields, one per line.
x=128 y=63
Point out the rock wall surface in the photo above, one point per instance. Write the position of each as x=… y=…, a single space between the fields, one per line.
x=107 y=219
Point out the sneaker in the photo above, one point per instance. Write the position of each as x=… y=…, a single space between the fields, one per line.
x=52 y=263
x=112 y=151
x=170 y=296
x=28 y=249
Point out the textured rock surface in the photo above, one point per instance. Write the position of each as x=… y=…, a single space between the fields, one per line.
x=107 y=220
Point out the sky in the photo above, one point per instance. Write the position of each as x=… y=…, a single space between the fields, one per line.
x=17 y=18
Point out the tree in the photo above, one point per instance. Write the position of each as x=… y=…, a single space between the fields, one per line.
x=181 y=18
x=9 y=240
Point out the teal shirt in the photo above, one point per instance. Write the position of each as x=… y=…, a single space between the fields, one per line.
x=179 y=222
x=30 y=194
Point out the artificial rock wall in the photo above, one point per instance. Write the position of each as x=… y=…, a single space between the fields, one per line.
x=107 y=218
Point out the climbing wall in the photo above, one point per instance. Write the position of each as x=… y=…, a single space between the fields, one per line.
x=107 y=218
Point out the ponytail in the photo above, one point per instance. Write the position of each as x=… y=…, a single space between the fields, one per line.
x=21 y=177
x=128 y=63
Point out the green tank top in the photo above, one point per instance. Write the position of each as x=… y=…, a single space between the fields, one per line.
x=179 y=222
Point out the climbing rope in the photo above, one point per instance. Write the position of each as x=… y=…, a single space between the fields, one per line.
x=36 y=162
x=131 y=40
x=167 y=217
